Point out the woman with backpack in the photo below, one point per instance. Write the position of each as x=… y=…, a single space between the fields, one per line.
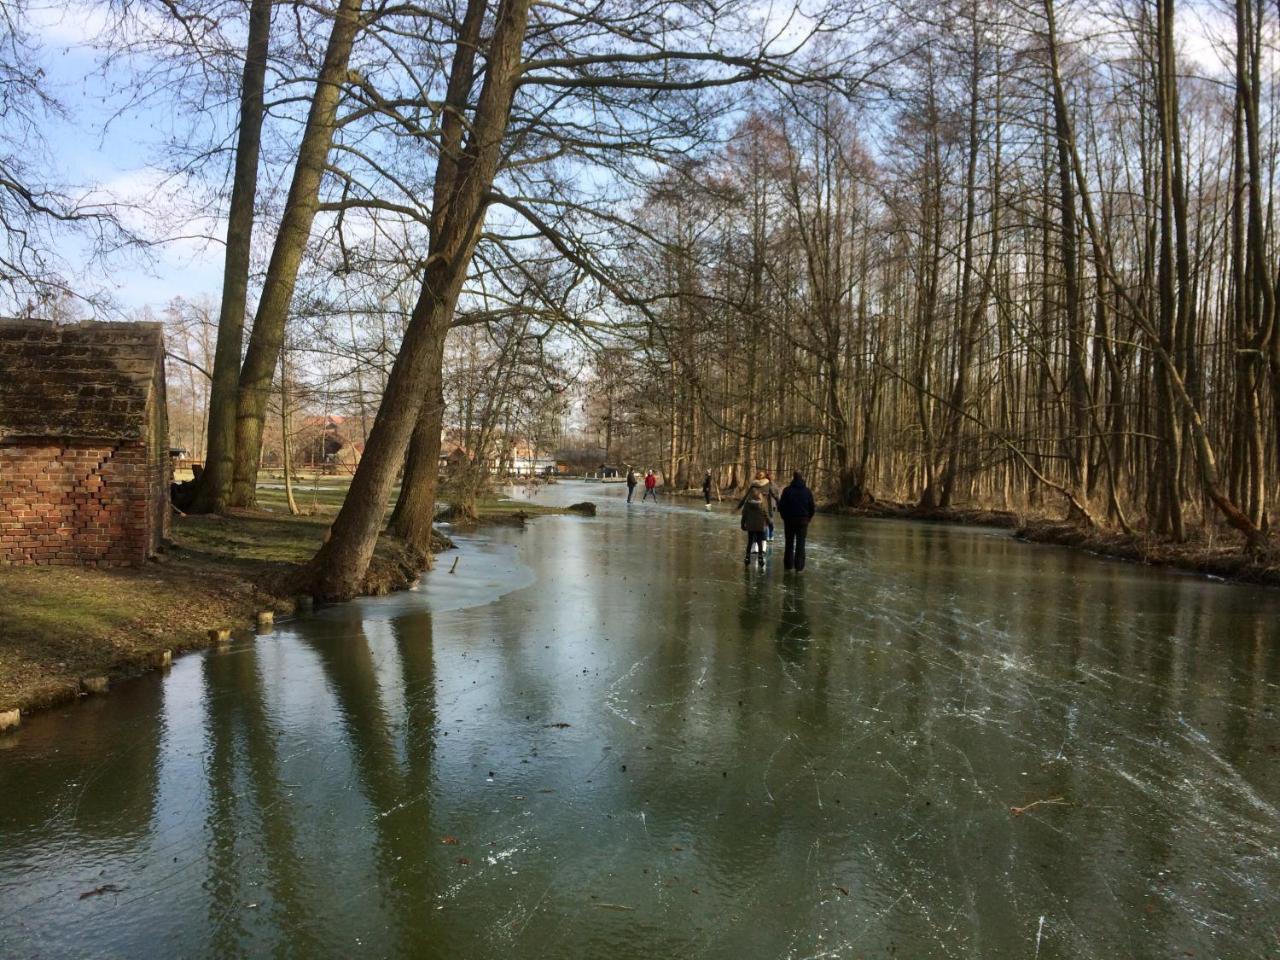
x=755 y=521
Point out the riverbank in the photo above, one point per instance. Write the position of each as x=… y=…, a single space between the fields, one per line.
x=64 y=629
x=1003 y=519
x=1223 y=559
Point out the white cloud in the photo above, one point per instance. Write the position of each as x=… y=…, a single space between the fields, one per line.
x=69 y=24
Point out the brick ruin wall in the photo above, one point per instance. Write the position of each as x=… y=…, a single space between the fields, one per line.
x=93 y=504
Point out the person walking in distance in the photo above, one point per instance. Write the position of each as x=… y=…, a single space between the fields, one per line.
x=797 y=508
x=755 y=521
x=631 y=483
x=650 y=486
x=706 y=489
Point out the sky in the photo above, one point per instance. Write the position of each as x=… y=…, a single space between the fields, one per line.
x=114 y=153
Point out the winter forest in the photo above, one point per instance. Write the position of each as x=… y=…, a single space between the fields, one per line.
x=968 y=253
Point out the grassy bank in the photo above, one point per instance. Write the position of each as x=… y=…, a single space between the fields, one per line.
x=62 y=625
x=59 y=625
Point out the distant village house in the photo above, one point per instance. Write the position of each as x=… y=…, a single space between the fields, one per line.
x=525 y=460
x=84 y=443
x=324 y=443
x=518 y=458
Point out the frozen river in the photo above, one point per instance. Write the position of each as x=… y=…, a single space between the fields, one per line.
x=603 y=738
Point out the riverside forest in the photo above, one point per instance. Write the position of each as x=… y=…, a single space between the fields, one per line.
x=472 y=338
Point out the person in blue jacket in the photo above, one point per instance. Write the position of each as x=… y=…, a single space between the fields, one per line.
x=796 y=508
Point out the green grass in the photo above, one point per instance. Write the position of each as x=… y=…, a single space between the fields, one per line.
x=60 y=624
x=48 y=608
x=253 y=538
x=323 y=497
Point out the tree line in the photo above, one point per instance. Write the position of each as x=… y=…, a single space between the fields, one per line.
x=1035 y=269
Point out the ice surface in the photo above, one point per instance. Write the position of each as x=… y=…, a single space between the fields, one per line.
x=605 y=738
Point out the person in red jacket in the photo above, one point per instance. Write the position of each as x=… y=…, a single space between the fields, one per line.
x=650 y=486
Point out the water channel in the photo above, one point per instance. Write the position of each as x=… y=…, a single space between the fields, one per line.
x=606 y=738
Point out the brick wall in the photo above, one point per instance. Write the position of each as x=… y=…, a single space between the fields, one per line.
x=90 y=503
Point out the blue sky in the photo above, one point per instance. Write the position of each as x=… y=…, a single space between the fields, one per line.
x=96 y=147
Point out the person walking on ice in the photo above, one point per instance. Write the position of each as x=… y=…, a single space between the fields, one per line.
x=650 y=487
x=796 y=507
x=755 y=521
x=631 y=483
x=706 y=489
x=762 y=485
x=771 y=500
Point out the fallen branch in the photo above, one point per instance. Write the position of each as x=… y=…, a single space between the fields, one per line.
x=1056 y=801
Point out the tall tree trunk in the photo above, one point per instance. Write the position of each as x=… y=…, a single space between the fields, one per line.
x=339 y=567
x=416 y=506
x=1255 y=297
x=286 y=256
x=966 y=317
x=285 y=456
x=927 y=298
x=415 y=509
x=1169 y=516
x=215 y=483
x=1077 y=445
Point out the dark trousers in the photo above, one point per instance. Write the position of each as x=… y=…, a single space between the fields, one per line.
x=631 y=491
x=755 y=538
x=793 y=553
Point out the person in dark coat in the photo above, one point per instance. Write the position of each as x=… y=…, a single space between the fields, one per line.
x=631 y=483
x=755 y=521
x=706 y=489
x=797 y=508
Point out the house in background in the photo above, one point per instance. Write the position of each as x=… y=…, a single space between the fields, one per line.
x=84 y=443
x=514 y=458
x=525 y=460
x=452 y=455
x=323 y=443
